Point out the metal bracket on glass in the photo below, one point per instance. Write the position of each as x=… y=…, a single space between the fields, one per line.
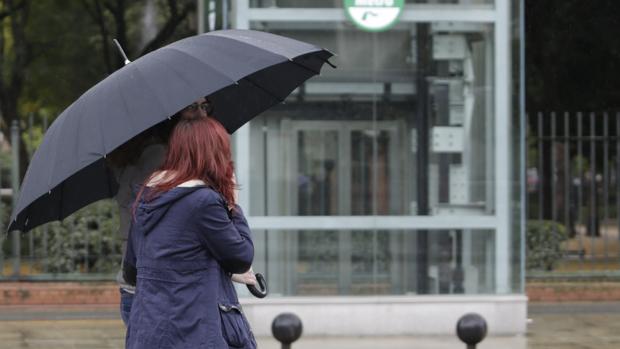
x=459 y=189
x=447 y=139
x=446 y=47
x=457 y=27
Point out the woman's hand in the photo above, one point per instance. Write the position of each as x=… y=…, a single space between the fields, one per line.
x=247 y=278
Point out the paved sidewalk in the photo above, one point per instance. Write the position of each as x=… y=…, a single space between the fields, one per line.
x=574 y=325
x=570 y=326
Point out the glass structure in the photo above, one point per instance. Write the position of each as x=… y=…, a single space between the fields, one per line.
x=397 y=172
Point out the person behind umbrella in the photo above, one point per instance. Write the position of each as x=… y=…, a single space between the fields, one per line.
x=187 y=238
x=131 y=164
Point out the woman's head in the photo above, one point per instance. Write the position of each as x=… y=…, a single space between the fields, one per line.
x=199 y=148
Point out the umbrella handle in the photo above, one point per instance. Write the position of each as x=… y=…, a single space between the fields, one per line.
x=262 y=283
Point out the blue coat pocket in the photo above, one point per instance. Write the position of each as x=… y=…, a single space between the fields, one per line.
x=235 y=329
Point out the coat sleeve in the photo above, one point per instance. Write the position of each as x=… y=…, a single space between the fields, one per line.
x=225 y=235
x=130 y=271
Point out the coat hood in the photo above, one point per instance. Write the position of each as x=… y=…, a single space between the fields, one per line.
x=149 y=213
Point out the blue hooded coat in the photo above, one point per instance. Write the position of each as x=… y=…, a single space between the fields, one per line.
x=185 y=244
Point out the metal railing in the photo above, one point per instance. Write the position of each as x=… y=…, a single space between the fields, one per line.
x=84 y=246
x=572 y=179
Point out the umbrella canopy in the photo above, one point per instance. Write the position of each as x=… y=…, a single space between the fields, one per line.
x=243 y=72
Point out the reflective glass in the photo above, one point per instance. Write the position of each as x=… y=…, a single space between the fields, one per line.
x=339 y=3
x=381 y=262
x=403 y=126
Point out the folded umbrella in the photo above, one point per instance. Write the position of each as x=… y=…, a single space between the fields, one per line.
x=243 y=73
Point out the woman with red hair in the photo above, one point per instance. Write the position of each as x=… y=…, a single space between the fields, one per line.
x=187 y=239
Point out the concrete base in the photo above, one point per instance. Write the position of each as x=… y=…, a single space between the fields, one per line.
x=395 y=342
x=388 y=316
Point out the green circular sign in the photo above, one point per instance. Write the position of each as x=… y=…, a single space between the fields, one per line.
x=373 y=15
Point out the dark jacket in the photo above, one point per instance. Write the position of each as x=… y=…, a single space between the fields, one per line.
x=185 y=245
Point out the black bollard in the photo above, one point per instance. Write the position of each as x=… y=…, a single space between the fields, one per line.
x=287 y=328
x=471 y=329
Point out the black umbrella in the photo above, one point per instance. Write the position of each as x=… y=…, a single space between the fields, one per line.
x=243 y=72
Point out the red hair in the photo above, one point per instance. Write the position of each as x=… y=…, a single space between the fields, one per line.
x=198 y=148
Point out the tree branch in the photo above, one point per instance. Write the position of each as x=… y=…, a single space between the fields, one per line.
x=21 y=50
x=96 y=13
x=11 y=10
x=176 y=18
x=3 y=92
x=16 y=66
x=118 y=13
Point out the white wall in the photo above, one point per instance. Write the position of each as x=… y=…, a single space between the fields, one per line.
x=392 y=315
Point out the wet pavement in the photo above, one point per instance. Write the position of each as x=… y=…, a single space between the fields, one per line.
x=568 y=325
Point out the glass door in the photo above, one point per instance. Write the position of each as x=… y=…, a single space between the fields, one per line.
x=343 y=168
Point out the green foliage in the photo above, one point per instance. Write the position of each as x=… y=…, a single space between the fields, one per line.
x=32 y=136
x=64 y=62
x=87 y=240
x=68 y=49
x=5 y=169
x=580 y=164
x=544 y=244
x=54 y=51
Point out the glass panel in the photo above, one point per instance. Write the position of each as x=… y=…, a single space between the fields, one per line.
x=381 y=262
x=317 y=186
x=296 y=3
x=404 y=126
x=371 y=190
x=450 y=2
x=339 y=3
